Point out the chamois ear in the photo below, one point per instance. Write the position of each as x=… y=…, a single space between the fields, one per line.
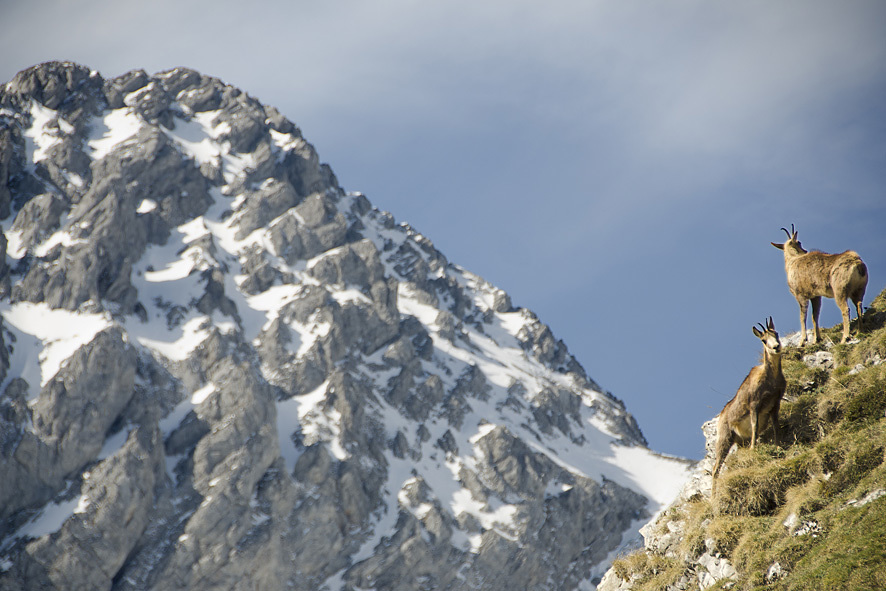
x=757 y=333
x=770 y=325
x=778 y=246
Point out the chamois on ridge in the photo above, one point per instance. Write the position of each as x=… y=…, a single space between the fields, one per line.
x=758 y=400
x=812 y=275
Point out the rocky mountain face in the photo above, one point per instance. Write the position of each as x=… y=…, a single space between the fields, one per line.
x=219 y=370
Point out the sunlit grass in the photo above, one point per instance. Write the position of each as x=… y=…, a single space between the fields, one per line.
x=794 y=516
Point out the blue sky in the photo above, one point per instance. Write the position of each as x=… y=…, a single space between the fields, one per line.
x=618 y=167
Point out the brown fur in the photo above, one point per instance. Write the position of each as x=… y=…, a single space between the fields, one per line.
x=757 y=401
x=812 y=275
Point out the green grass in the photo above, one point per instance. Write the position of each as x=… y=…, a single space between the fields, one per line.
x=832 y=451
x=854 y=556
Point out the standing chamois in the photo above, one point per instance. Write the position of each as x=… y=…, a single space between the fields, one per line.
x=757 y=400
x=815 y=274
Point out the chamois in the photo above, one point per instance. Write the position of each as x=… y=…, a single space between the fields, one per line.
x=812 y=275
x=757 y=400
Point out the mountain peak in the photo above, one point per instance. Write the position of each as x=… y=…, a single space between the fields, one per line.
x=265 y=374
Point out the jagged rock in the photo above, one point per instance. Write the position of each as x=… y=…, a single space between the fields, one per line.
x=450 y=328
x=130 y=81
x=151 y=102
x=113 y=512
x=775 y=572
x=400 y=352
x=180 y=81
x=39 y=217
x=271 y=200
x=71 y=417
x=367 y=327
x=198 y=98
x=50 y=84
x=245 y=120
x=447 y=443
x=303 y=233
x=502 y=302
x=214 y=297
x=191 y=430
x=14 y=414
x=538 y=338
x=9 y=143
x=424 y=396
x=356 y=264
x=152 y=167
x=421 y=341
x=555 y=408
x=511 y=465
x=259 y=273
x=820 y=359
x=400 y=445
x=472 y=383
x=5 y=282
x=716 y=568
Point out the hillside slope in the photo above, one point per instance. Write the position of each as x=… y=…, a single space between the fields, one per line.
x=222 y=371
x=807 y=515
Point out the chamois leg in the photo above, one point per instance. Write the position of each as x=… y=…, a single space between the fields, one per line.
x=804 y=305
x=844 y=310
x=724 y=444
x=773 y=416
x=755 y=419
x=857 y=302
x=816 y=310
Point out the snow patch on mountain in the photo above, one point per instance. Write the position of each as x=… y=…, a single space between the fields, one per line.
x=45 y=338
x=110 y=131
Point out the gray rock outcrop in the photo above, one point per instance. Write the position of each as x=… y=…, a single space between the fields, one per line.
x=663 y=536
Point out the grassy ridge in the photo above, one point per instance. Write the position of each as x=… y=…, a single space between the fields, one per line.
x=794 y=516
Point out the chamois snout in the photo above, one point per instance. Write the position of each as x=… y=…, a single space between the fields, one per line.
x=768 y=336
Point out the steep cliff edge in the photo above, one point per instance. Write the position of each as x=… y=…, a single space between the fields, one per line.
x=809 y=514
